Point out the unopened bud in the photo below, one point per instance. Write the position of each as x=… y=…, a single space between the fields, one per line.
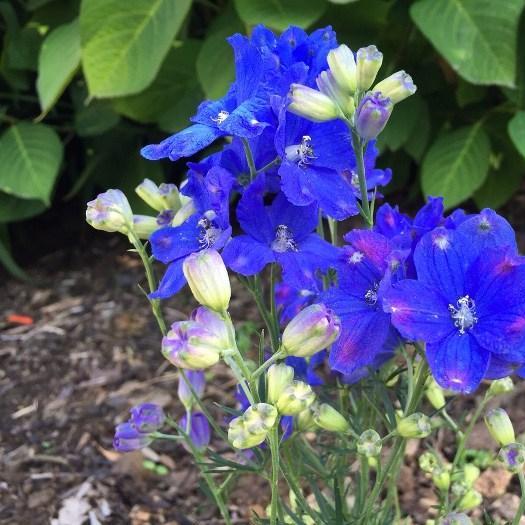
x=396 y=87
x=435 y=394
x=500 y=386
x=295 y=398
x=312 y=104
x=470 y=500
x=110 y=212
x=196 y=379
x=428 y=462
x=513 y=456
x=128 y=438
x=239 y=436
x=279 y=377
x=185 y=212
x=144 y=226
x=310 y=331
x=305 y=420
x=441 y=478
x=259 y=418
x=328 y=86
x=500 y=426
x=328 y=418
x=372 y=114
x=369 y=443
x=470 y=474
x=414 y=426
x=163 y=197
x=208 y=279
x=369 y=60
x=343 y=67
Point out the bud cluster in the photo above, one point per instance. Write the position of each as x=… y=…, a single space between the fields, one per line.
x=251 y=429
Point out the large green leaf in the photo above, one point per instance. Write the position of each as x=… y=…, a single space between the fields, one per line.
x=30 y=157
x=456 y=165
x=477 y=37
x=95 y=119
x=15 y=209
x=59 y=59
x=176 y=79
x=516 y=130
x=123 y=45
x=279 y=14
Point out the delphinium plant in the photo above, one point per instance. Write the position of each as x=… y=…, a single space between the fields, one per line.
x=362 y=338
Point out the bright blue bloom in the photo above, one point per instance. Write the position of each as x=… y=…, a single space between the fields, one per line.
x=366 y=269
x=200 y=430
x=280 y=233
x=291 y=300
x=208 y=228
x=147 y=417
x=467 y=302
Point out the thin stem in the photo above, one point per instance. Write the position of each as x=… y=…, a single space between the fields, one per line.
x=359 y=155
x=274 y=357
x=249 y=158
x=521 y=507
x=273 y=438
x=266 y=167
x=233 y=364
x=332 y=225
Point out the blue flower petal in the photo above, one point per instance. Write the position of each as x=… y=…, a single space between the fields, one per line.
x=246 y=256
x=300 y=220
x=171 y=243
x=172 y=281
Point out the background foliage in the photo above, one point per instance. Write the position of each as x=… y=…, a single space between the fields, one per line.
x=85 y=83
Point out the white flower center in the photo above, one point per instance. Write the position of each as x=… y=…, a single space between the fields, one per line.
x=209 y=233
x=221 y=116
x=371 y=295
x=283 y=241
x=301 y=153
x=464 y=313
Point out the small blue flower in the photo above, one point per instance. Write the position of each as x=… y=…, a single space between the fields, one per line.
x=200 y=430
x=467 y=302
x=147 y=417
x=128 y=438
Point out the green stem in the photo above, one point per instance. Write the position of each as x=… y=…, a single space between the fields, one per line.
x=257 y=293
x=249 y=158
x=521 y=507
x=266 y=167
x=359 y=149
x=332 y=225
x=273 y=358
x=273 y=438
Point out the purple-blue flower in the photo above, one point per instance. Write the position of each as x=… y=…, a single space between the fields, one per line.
x=128 y=438
x=467 y=302
x=199 y=429
x=147 y=417
x=279 y=232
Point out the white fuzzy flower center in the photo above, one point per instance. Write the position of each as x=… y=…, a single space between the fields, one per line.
x=283 y=241
x=301 y=153
x=463 y=314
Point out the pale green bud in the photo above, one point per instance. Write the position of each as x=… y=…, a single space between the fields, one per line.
x=305 y=421
x=369 y=443
x=414 y=426
x=259 y=418
x=328 y=86
x=208 y=279
x=470 y=474
x=312 y=104
x=328 y=418
x=343 y=67
x=279 y=377
x=513 y=456
x=396 y=87
x=160 y=198
x=455 y=518
x=441 y=478
x=110 y=212
x=295 y=398
x=500 y=386
x=239 y=436
x=500 y=426
x=186 y=210
x=144 y=226
x=428 y=462
x=435 y=394
x=369 y=60
x=470 y=500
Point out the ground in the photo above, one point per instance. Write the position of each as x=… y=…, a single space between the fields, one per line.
x=89 y=350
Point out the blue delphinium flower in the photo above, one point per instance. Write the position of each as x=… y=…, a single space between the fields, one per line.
x=280 y=233
x=128 y=438
x=291 y=300
x=208 y=228
x=367 y=266
x=147 y=417
x=306 y=369
x=200 y=430
x=467 y=302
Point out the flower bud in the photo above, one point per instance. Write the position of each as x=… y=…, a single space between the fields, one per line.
x=441 y=478
x=328 y=86
x=372 y=115
x=500 y=426
x=500 y=386
x=312 y=104
x=428 y=462
x=329 y=418
x=470 y=500
x=414 y=426
x=305 y=420
x=369 y=443
x=163 y=197
x=259 y=418
x=199 y=432
x=144 y=226
x=197 y=381
x=396 y=87
x=239 y=436
x=279 y=377
x=110 y=212
x=295 y=398
x=435 y=394
x=369 y=60
x=185 y=212
x=513 y=456
x=128 y=438
x=147 y=417
x=455 y=518
x=310 y=331
x=208 y=279
x=190 y=345
x=470 y=474
x=343 y=68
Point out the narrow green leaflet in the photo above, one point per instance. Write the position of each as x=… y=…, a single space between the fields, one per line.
x=456 y=165
x=279 y=14
x=58 y=61
x=30 y=156
x=516 y=130
x=123 y=45
x=477 y=37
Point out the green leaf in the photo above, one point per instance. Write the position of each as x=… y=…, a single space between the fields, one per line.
x=95 y=119
x=456 y=165
x=6 y=259
x=175 y=81
x=467 y=93
x=279 y=14
x=58 y=61
x=477 y=37
x=23 y=46
x=123 y=46
x=516 y=129
x=16 y=209
x=30 y=156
